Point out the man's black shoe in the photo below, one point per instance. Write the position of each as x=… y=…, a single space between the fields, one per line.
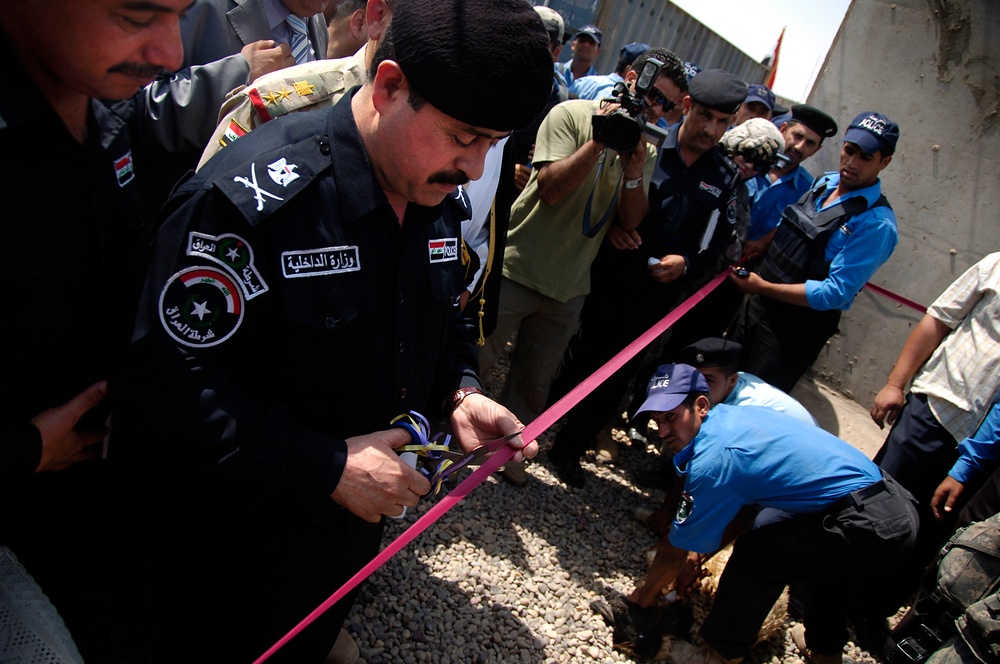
x=871 y=634
x=569 y=470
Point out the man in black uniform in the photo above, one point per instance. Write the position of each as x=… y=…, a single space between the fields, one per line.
x=691 y=186
x=73 y=264
x=303 y=293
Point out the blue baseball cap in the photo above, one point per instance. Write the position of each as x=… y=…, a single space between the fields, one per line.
x=873 y=132
x=669 y=387
x=760 y=93
x=591 y=31
x=632 y=51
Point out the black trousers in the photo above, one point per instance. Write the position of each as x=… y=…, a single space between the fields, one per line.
x=830 y=553
x=781 y=341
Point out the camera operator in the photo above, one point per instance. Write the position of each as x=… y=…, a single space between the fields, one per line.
x=546 y=271
x=644 y=268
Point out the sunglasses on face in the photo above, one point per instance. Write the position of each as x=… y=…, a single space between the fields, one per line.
x=655 y=97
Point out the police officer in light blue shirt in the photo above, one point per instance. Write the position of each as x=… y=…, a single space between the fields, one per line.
x=599 y=87
x=828 y=245
x=717 y=358
x=843 y=522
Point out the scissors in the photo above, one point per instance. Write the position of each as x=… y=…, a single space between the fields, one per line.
x=435 y=458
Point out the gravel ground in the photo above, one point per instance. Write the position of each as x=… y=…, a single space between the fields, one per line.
x=509 y=573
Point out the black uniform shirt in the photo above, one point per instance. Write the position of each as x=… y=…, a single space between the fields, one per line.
x=69 y=261
x=287 y=309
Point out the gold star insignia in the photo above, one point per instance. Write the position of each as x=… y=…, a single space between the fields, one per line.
x=270 y=98
x=304 y=88
x=283 y=94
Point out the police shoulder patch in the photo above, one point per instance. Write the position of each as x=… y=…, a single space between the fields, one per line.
x=260 y=187
x=201 y=306
x=684 y=507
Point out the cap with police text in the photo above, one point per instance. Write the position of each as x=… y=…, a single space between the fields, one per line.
x=444 y=46
x=762 y=94
x=670 y=385
x=711 y=352
x=815 y=119
x=632 y=51
x=718 y=89
x=553 y=22
x=591 y=31
x=873 y=132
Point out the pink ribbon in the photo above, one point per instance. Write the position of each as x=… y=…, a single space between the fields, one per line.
x=502 y=456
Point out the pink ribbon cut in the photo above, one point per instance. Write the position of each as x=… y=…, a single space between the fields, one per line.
x=530 y=433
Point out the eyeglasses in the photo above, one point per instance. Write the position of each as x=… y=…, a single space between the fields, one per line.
x=655 y=97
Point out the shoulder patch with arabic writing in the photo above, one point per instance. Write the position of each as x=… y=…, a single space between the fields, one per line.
x=232 y=252
x=201 y=306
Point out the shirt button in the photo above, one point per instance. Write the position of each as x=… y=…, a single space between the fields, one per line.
x=401 y=348
x=402 y=393
x=401 y=298
x=324 y=147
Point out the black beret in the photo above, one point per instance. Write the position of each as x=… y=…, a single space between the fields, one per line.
x=718 y=89
x=483 y=62
x=815 y=119
x=711 y=352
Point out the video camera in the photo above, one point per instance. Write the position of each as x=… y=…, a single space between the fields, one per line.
x=621 y=129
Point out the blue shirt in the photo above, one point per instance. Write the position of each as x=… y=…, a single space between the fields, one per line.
x=855 y=250
x=566 y=69
x=595 y=87
x=753 y=391
x=749 y=455
x=979 y=448
x=771 y=199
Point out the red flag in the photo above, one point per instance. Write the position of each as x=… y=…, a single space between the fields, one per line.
x=774 y=61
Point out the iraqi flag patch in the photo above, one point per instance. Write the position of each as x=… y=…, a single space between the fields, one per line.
x=123 y=169
x=443 y=250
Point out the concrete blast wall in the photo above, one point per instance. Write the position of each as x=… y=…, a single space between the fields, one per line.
x=933 y=66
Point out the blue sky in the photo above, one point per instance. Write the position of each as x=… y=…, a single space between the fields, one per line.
x=754 y=26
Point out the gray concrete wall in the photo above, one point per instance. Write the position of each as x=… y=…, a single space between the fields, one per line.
x=933 y=66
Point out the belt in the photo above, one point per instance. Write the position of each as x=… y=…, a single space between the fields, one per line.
x=858 y=498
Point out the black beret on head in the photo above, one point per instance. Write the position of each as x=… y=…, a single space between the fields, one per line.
x=483 y=62
x=718 y=89
x=711 y=352
x=815 y=119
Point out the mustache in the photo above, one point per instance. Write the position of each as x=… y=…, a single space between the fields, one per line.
x=137 y=70
x=449 y=177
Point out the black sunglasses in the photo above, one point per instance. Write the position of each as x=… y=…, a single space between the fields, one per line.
x=655 y=97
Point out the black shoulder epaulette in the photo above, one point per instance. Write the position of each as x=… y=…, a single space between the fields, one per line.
x=274 y=176
x=461 y=199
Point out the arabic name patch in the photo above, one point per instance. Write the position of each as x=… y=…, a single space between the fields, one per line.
x=318 y=262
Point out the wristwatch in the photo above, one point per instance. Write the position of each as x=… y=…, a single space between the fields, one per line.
x=632 y=184
x=452 y=402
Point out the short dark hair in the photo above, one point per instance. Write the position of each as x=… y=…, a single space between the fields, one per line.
x=673 y=68
x=386 y=50
x=343 y=7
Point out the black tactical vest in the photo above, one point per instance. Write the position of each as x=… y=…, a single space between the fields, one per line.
x=798 y=252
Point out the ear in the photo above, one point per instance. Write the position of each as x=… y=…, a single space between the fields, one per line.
x=389 y=86
x=631 y=75
x=556 y=51
x=885 y=162
x=702 y=404
x=358 y=23
x=378 y=15
x=686 y=104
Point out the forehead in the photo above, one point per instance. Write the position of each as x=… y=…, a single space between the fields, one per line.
x=796 y=128
x=710 y=113
x=586 y=39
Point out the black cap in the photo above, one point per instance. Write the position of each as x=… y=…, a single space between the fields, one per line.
x=718 y=89
x=483 y=62
x=815 y=119
x=711 y=352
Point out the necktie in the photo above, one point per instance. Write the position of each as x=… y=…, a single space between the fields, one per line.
x=300 y=39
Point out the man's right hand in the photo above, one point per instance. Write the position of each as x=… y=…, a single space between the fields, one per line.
x=888 y=402
x=375 y=480
x=62 y=444
x=265 y=56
